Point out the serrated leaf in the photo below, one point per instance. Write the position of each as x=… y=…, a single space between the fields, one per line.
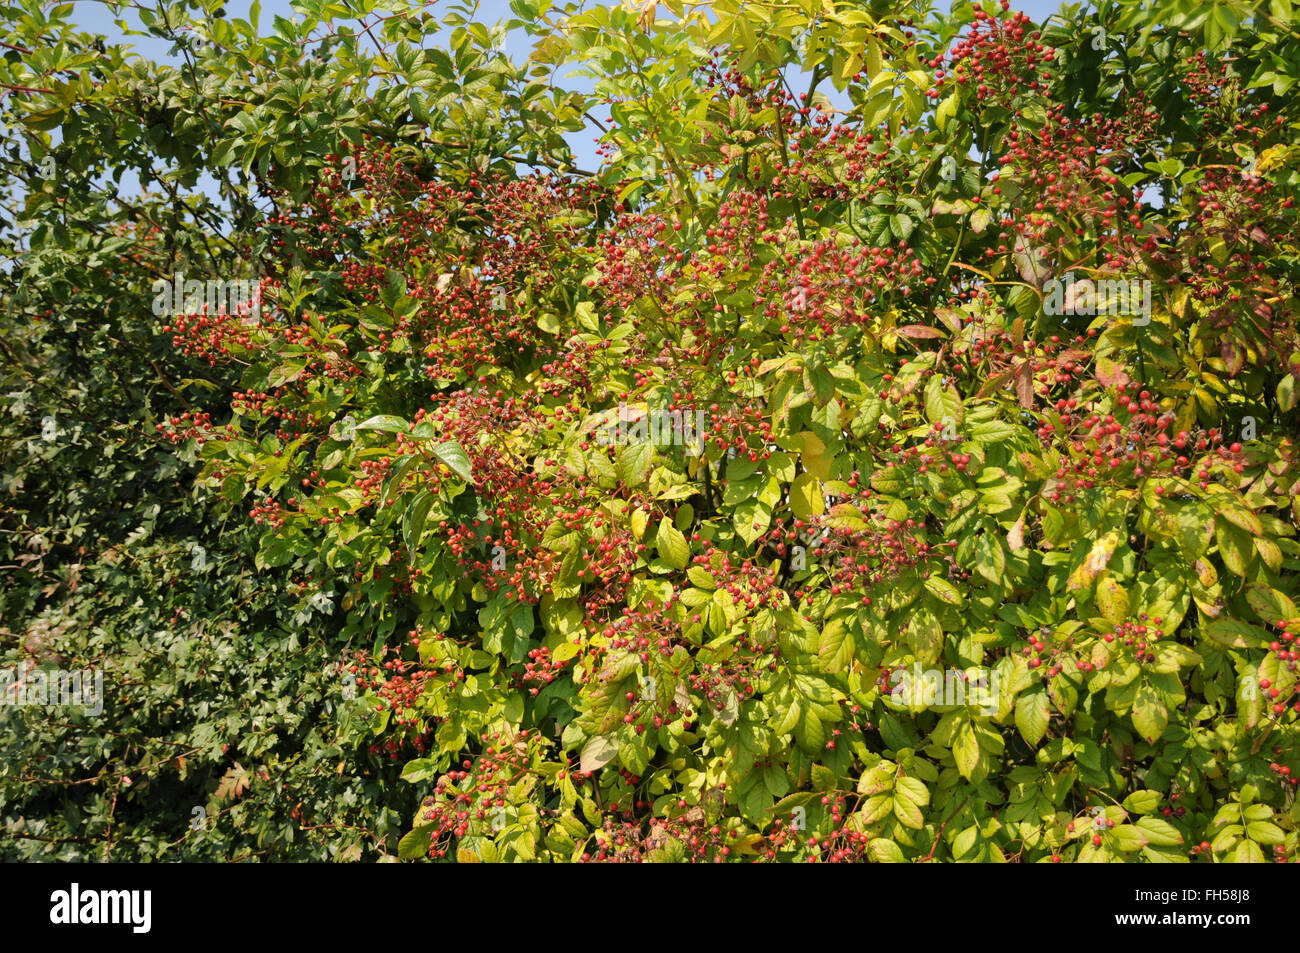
x=1033 y=713
x=453 y=455
x=913 y=789
x=836 y=647
x=699 y=576
x=908 y=814
x=1128 y=838
x=415 y=843
x=632 y=462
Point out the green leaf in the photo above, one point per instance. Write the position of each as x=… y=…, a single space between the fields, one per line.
x=1159 y=831
x=1241 y=517
x=1032 y=716
x=1096 y=560
x=1150 y=714
x=632 y=463
x=1250 y=701
x=598 y=752
x=885 y=851
x=1128 y=838
x=699 y=576
x=453 y=455
x=966 y=750
x=1235 y=634
x=751 y=520
x=913 y=789
x=1236 y=546
x=924 y=636
x=413 y=522
x=421 y=769
x=287 y=373
x=908 y=814
x=672 y=545
x=1143 y=802
x=942 y=404
x=394 y=479
x=946 y=111
x=386 y=423
x=1287 y=393
x=1112 y=599
x=565 y=651
x=1248 y=852
x=836 y=647
x=806 y=497
x=878 y=778
x=416 y=843
x=810 y=733
x=1270 y=605
x=1265 y=833
x=944 y=590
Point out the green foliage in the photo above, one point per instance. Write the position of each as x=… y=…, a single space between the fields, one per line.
x=779 y=490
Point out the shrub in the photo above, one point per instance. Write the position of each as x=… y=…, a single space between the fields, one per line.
x=915 y=483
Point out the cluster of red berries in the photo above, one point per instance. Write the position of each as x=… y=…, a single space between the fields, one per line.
x=215 y=335
x=630 y=841
x=540 y=669
x=1000 y=57
x=195 y=425
x=1137 y=636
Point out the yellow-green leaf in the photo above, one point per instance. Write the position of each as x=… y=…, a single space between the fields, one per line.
x=672 y=545
x=806 y=497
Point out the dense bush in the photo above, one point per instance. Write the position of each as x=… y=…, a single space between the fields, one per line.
x=644 y=507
